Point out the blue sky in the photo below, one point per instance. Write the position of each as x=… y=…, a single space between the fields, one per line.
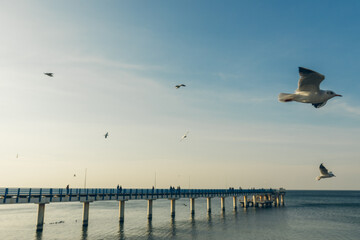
x=116 y=64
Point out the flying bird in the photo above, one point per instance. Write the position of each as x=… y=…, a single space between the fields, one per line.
x=49 y=74
x=324 y=173
x=106 y=134
x=74 y=175
x=308 y=90
x=185 y=136
x=180 y=85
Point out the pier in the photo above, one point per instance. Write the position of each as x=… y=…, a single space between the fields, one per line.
x=42 y=196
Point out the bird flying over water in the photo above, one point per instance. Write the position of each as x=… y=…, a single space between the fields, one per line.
x=308 y=90
x=180 y=85
x=49 y=74
x=185 y=136
x=324 y=173
x=106 y=134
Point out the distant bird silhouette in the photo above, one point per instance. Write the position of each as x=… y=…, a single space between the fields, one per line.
x=324 y=173
x=185 y=205
x=74 y=175
x=49 y=74
x=180 y=85
x=185 y=136
x=106 y=134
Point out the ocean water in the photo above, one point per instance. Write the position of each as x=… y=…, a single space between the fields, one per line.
x=307 y=215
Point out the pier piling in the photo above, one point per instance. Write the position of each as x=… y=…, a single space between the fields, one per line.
x=234 y=203
x=172 y=208
x=86 y=206
x=40 y=218
x=208 y=201
x=150 y=207
x=222 y=199
x=192 y=206
x=121 y=211
x=282 y=199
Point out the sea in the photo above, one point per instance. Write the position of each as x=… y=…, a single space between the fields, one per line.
x=306 y=215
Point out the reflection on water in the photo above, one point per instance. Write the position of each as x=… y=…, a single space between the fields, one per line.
x=193 y=232
x=173 y=227
x=84 y=233
x=149 y=230
x=38 y=235
x=121 y=230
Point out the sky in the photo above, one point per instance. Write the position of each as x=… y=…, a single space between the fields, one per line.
x=116 y=63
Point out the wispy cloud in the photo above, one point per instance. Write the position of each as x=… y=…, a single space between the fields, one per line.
x=117 y=64
x=345 y=107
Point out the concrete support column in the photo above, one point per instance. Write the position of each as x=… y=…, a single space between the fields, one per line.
x=234 y=203
x=282 y=199
x=208 y=201
x=192 y=206
x=254 y=201
x=86 y=206
x=121 y=211
x=149 y=210
x=40 y=218
x=245 y=201
x=222 y=203
x=172 y=208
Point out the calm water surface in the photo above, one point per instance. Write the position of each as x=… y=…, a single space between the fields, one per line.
x=307 y=215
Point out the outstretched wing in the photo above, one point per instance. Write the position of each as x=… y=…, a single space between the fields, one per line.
x=309 y=80
x=323 y=170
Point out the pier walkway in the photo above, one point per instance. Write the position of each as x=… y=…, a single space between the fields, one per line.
x=42 y=196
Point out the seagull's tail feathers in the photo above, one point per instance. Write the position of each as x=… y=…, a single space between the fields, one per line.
x=286 y=97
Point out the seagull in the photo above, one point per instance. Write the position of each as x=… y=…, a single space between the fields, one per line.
x=49 y=74
x=106 y=134
x=308 y=90
x=74 y=175
x=180 y=85
x=324 y=173
x=185 y=136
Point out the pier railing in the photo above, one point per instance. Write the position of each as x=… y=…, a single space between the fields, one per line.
x=39 y=195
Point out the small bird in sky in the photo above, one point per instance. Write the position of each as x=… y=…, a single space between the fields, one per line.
x=74 y=175
x=49 y=74
x=106 y=134
x=180 y=85
x=308 y=90
x=324 y=173
x=185 y=136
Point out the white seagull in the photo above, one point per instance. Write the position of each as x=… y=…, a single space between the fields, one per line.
x=324 y=173
x=308 y=90
x=106 y=134
x=49 y=74
x=180 y=85
x=185 y=136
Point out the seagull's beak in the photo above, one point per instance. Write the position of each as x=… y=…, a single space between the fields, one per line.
x=338 y=95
